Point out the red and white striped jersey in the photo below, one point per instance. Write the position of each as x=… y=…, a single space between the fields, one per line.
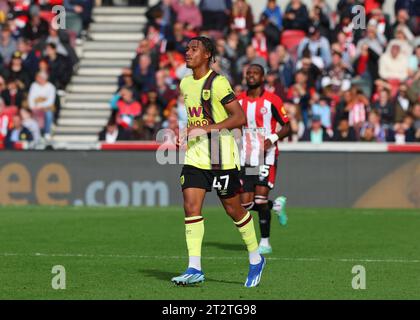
x=264 y=116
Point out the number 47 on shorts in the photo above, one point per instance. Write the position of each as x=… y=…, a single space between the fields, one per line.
x=217 y=182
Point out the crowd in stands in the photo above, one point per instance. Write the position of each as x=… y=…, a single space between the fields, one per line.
x=37 y=61
x=338 y=81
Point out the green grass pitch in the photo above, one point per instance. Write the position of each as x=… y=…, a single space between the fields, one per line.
x=132 y=253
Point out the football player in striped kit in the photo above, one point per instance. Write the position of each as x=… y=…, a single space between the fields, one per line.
x=267 y=122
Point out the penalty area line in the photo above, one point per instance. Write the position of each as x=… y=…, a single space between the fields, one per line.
x=119 y=256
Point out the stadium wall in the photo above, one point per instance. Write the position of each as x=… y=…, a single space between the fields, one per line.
x=133 y=178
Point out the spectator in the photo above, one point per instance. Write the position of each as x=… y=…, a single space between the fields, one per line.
x=126 y=80
x=251 y=57
x=13 y=96
x=320 y=21
x=30 y=58
x=296 y=16
x=393 y=65
x=402 y=18
x=172 y=60
x=338 y=73
x=316 y=134
x=259 y=42
x=300 y=94
x=385 y=108
x=224 y=62
x=357 y=108
x=317 y=45
x=274 y=85
x=179 y=38
x=148 y=126
x=143 y=74
x=286 y=66
x=273 y=12
x=402 y=103
x=17 y=134
x=344 y=133
x=322 y=109
x=78 y=15
x=165 y=87
x=367 y=133
x=17 y=72
x=188 y=14
x=376 y=42
x=374 y=122
x=31 y=124
x=235 y=48
x=215 y=14
x=378 y=19
x=7 y=45
x=59 y=66
x=146 y=47
x=113 y=133
x=345 y=47
x=36 y=28
x=41 y=101
x=125 y=107
x=306 y=65
x=366 y=64
x=241 y=19
x=161 y=17
x=271 y=33
x=414 y=62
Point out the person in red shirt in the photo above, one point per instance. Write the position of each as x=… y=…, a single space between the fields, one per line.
x=265 y=115
x=127 y=108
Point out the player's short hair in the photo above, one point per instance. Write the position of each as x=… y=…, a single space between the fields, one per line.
x=259 y=67
x=209 y=46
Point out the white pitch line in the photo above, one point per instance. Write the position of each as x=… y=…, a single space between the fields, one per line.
x=118 y=256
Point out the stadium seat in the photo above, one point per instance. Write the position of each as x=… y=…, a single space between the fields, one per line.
x=395 y=86
x=47 y=15
x=291 y=39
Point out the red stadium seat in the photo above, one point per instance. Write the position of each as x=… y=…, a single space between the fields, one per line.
x=395 y=86
x=291 y=39
x=47 y=15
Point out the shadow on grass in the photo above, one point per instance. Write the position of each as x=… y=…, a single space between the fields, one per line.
x=167 y=276
x=225 y=246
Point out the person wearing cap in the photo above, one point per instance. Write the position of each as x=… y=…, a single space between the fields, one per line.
x=316 y=133
x=18 y=72
x=317 y=45
x=36 y=27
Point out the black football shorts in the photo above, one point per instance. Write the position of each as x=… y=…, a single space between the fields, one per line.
x=225 y=182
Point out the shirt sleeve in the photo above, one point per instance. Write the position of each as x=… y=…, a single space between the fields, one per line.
x=223 y=91
x=279 y=112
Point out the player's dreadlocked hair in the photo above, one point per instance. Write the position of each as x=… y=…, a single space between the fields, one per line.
x=209 y=46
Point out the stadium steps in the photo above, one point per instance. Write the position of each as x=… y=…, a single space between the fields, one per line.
x=114 y=37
